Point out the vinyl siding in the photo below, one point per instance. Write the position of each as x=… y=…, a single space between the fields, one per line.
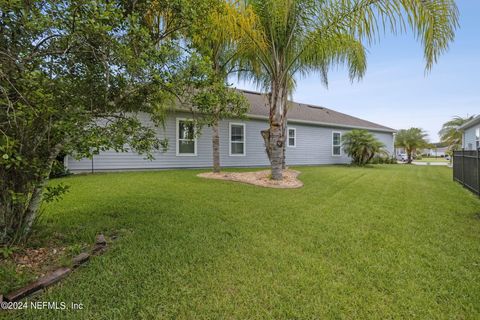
x=469 y=138
x=313 y=147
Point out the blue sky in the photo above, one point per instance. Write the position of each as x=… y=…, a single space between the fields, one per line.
x=396 y=92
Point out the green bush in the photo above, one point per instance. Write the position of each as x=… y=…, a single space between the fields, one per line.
x=362 y=146
x=58 y=169
x=383 y=160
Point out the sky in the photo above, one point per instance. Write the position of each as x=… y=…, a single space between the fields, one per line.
x=396 y=91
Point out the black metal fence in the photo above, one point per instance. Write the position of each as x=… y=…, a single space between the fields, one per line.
x=466 y=169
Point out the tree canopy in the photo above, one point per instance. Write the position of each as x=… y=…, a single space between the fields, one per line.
x=74 y=77
x=450 y=135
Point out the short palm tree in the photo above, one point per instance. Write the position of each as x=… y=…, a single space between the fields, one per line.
x=361 y=146
x=299 y=37
x=411 y=140
x=218 y=38
x=450 y=135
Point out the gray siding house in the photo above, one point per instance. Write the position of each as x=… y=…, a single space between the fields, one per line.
x=471 y=134
x=314 y=138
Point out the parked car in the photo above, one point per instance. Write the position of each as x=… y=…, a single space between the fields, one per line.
x=447 y=157
x=402 y=157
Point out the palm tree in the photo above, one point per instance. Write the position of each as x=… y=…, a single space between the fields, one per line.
x=411 y=140
x=299 y=37
x=218 y=38
x=361 y=146
x=449 y=133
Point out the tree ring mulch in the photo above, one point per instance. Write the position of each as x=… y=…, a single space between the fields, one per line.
x=259 y=178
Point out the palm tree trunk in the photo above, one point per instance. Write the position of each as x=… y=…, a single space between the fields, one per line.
x=278 y=103
x=216 y=147
x=284 y=164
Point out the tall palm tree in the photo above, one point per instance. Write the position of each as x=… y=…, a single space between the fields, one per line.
x=449 y=133
x=299 y=37
x=411 y=140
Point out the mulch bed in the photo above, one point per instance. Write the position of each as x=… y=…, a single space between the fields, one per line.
x=37 y=259
x=259 y=178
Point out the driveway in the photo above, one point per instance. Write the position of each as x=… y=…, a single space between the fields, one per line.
x=418 y=163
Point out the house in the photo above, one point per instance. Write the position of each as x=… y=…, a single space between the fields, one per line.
x=471 y=134
x=314 y=138
x=437 y=150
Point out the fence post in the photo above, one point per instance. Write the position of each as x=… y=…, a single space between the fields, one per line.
x=478 y=171
x=453 y=164
x=463 y=165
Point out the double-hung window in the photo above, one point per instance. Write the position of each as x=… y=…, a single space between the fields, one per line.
x=186 y=140
x=237 y=139
x=292 y=137
x=336 y=143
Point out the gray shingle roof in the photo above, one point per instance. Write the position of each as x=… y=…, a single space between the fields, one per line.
x=299 y=112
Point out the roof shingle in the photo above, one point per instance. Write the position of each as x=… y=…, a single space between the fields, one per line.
x=299 y=112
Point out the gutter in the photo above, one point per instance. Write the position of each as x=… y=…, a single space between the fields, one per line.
x=325 y=124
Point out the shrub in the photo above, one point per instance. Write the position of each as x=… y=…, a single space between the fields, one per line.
x=362 y=146
x=383 y=160
x=58 y=169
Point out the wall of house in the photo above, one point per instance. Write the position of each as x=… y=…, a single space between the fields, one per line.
x=313 y=147
x=470 y=138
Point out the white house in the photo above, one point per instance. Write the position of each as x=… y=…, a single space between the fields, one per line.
x=471 y=134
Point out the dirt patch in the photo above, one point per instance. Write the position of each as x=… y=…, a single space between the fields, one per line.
x=258 y=178
x=38 y=261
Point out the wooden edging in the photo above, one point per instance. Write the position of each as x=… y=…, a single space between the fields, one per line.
x=57 y=275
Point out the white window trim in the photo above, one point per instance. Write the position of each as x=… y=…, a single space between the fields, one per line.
x=177 y=139
x=294 y=137
x=340 y=145
x=230 y=139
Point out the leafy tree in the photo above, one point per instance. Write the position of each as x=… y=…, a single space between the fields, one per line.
x=450 y=135
x=411 y=140
x=297 y=37
x=216 y=103
x=73 y=77
x=361 y=146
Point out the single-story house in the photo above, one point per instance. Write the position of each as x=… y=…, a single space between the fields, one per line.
x=437 y=150
x=314 y=138
x=471 y=134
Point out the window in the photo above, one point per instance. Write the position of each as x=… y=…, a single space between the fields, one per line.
x=186 y=141
x=237 y=139
x=477 y=138
x=336 y=144
x=292 y=137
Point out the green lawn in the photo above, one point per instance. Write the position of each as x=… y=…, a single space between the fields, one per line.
x=385 y=242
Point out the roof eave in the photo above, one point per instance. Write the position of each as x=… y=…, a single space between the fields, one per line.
x=326 y=124
x=470 y=123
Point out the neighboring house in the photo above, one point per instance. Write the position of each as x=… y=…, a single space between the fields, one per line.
x=437 y=150
x=314 y=138
x=471 y=134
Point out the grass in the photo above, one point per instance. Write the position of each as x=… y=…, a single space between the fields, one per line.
x=383 y=242
x=425 y=159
